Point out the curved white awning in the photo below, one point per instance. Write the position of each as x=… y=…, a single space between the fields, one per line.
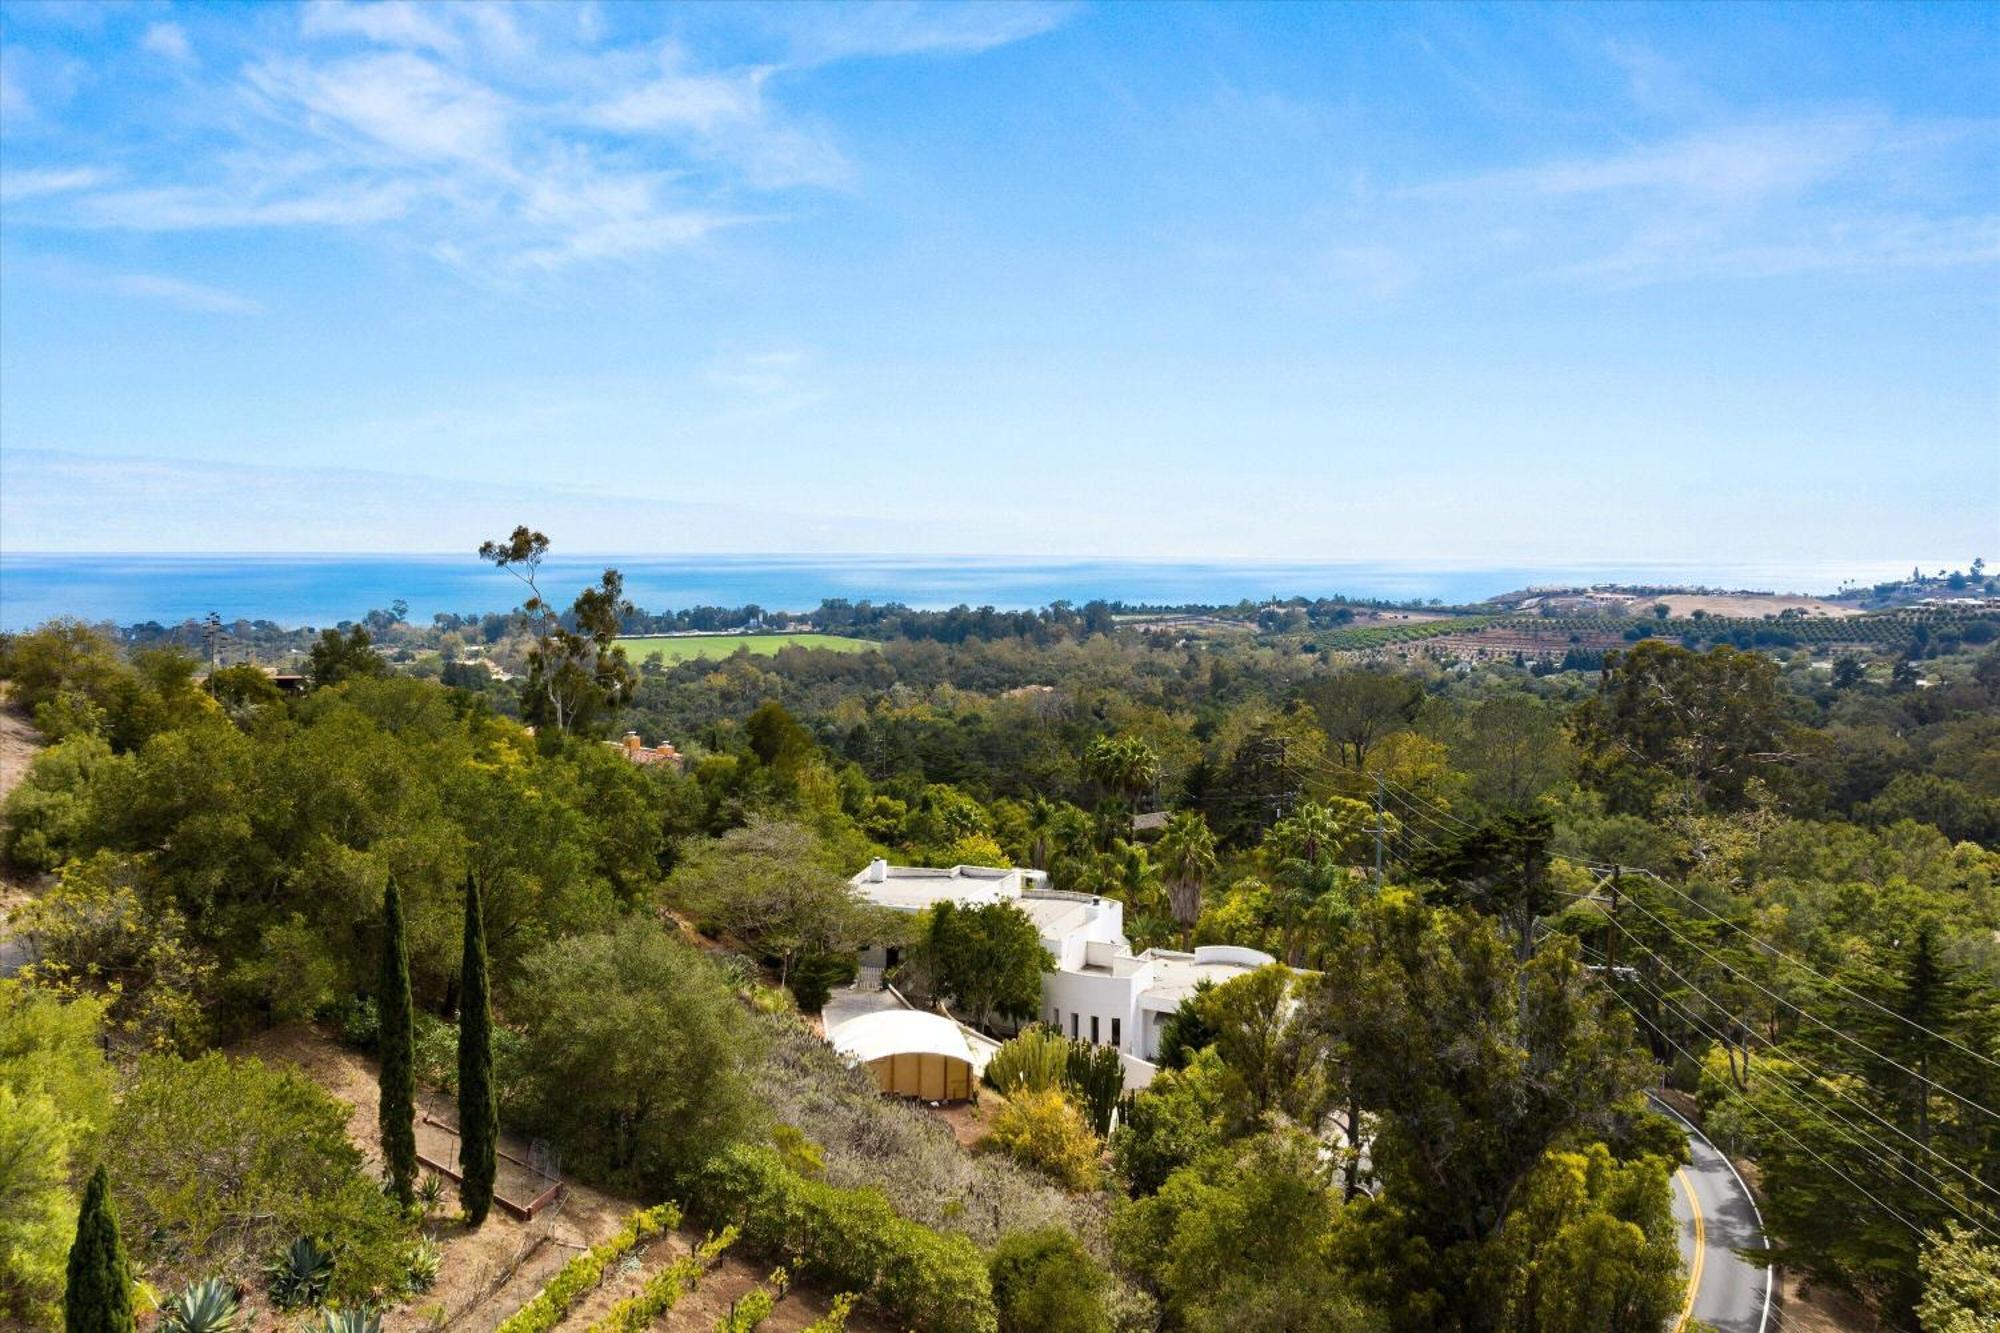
x=900 y=1032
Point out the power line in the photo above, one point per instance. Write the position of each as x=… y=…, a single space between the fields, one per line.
x=1776 y=952
x=1858 y=1187
x=1797 y=1059
x=1909 y=1171
x=1947 y=1090
x=1465 y=824
x=1856 y=1042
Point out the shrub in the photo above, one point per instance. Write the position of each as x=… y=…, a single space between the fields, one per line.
x=1095 y=1077
x=1037 y=1060
x=1169 y=1124
x=360 y=1022
x=813 y=979
x=1043 y=1130
x=55 y=1097
x=753 y=1307
x=849 y=1239
x=664 y=1289
x=575 y=1279
x=219 y=1162
x=1044 y=1282
x=636 y=1054
x=799 y=1153
x=357 y=1319
x=903 y=1150
x=835 y=1319
x=436 y=1052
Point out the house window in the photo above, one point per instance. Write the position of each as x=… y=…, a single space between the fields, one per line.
x=1059 y=1020
x=1072 y=1027
x=1093 y=1029
x=1114 y=1032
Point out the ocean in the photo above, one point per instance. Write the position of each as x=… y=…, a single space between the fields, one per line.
x=321 y=590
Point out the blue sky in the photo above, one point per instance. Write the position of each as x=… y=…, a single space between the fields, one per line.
x=1458 y=283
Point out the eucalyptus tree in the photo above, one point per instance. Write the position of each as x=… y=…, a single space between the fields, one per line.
x=575 y=675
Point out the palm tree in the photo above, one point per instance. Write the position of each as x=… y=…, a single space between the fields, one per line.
x=1041 y=829
x=1307 y=851
x=1187 y=857
x=1123 y=765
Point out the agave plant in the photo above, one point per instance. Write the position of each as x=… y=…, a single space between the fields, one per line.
x=300 y=1274
x=208 y=1306
x=425 y=1261
x=359 y=1319
x=430 y=1191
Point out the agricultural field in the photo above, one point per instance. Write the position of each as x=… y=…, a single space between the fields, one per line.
x=672 y=648
x=1491 y=637
x=1364 y=638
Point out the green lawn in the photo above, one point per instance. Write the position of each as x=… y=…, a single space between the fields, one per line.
x=685 y=647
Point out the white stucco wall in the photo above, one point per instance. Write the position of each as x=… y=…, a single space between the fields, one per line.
x=1071 y=999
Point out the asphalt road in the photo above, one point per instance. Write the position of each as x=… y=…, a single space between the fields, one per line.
x=1718 y=1218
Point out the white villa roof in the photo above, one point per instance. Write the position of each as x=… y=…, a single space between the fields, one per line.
x=1054 y=917
x=913 y=888
x=1175 y=975
x=900 y=1032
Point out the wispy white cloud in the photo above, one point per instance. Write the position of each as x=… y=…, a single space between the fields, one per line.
x=503 y=139
x=1748 y=161
x=763 y=373
x=198 y=297
x=159 y=288
x=35 y=182
x=821 y=33
x=1823 y=192
x=1655 y=83
x=396 y=101
x=168 y=41
x=15 y=103
x=1877 y=244
x=200 y=208
x=387 y=23
x=725 y=115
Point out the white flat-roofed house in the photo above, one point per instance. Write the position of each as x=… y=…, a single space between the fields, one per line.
x=1095 y=988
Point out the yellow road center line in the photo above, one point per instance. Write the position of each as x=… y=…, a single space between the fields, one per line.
x=1700 y=1249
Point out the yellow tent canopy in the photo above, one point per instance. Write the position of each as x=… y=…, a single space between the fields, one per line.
x=911 y=1054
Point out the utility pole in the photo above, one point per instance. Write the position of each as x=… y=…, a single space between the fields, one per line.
x=1378 y=831
x=1611 y=927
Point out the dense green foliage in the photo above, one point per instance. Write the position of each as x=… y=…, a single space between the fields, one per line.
x=55 y=1099
x=636 y=1057
x=987 y=960
x=1802 y=934
x=220 y=1164
x=849 y=1239
x=1045 y=1282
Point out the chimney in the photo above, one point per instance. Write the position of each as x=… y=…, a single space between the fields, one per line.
x=632 y=740
x=878 y=871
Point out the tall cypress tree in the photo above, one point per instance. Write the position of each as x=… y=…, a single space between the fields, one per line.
x=478 y=1109
x=398 y=1051
x=98 y=1298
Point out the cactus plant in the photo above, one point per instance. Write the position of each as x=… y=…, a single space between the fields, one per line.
x=208 y=1306
x=426 y=1260
x=300 y=1274
x=357 y=1319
